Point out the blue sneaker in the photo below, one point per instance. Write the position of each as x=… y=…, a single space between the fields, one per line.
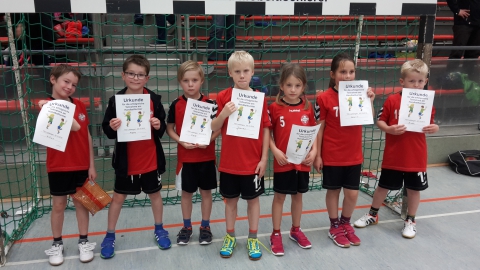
x=229 y=244
x=108 y=248
x=254 y=252
x=163 y=242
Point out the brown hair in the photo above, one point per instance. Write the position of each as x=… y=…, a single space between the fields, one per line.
x=189 y=66
x=138 y=60
x=62 y=69
x=297 y=71
x=337 y=60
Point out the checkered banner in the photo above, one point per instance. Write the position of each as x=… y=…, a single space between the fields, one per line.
x=223 y=7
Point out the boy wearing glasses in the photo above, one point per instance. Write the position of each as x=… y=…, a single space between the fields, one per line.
x=138 y=165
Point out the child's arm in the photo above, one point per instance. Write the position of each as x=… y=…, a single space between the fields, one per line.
x=158 y=123
x=311 y=156
x=173 y=134
x=75 y=125
x=318 y=162
x=371 y=95
x=262 y=165
x=280 y=157
x=393 y=129
x=229 y=108
x=430 y=129
x=92 y=172
x=111 y=123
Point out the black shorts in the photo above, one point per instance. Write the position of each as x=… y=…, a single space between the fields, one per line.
x=394 y=180
x=149 y=183
x=335 y=177
x=196 y=175
x=249 y=186
x=291 y=182
x=66 y=183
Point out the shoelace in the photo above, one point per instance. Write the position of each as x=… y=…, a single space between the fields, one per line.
x=87 y=246
x=261 y=244
x=227 y=242
x=53 y=251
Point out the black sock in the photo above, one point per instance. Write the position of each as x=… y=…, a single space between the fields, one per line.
x=412 y=218
x=83 y=238
x=57 y=241
x=373 y=211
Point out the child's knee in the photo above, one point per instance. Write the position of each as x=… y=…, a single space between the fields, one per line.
x=279 y=198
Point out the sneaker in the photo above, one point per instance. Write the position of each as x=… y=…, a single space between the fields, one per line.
x=55 y=254
x=163 y=242
x=409 y=229
x=366 y=220
x=276 y=244
x=338 y=237
x=350 y=234
x=229 y=244
x=108 y=248
x=86 y=251
x=299 y=237
x=205 y=237
x=254 y=252
x=183 y=237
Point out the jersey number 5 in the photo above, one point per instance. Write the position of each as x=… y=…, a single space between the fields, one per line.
x=282 y=121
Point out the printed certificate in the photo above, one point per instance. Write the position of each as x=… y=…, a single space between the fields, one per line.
x=245 y=122
x=416 y=109
x=197 y=122
x=134 y=111
x=300 y=142
x=355 y=107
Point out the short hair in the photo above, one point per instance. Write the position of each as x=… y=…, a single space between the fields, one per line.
x=189 y=66
x=240 y=57
x=138 y=60
x=62 y=69
x=415 y=65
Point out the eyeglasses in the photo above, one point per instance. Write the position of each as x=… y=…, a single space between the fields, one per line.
x=132 y=75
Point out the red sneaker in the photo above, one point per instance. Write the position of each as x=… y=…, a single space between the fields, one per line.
x=338 y=237
x=350 y=234
x=298 y=236
x=276 y=244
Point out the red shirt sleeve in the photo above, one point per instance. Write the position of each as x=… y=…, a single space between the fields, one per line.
x=433 y=115
x=271 y=113
x=384 y=113
x=265 y=117
x=220 y=102
x=322 y=108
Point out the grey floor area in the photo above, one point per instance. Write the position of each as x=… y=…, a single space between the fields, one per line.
x=447 y=238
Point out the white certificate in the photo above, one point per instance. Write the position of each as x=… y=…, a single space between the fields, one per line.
x=197 y=122
x=134 y=111
x=54 y=123
x=416 y=109
x=355 y=107
x=245 y=122
x=300 y=142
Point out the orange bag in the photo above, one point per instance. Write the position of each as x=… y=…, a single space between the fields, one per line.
x=92 y=196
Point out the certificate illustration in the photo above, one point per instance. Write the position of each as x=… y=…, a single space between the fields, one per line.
x=355 y=107
x=416 y=109
x=300 y=141
x=245 y=122
x=197 y=122
x=54 y=123
x=134 y=111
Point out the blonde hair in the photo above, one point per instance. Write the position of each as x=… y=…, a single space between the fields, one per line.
x=415 y=65
x=297 y=71
x=189 y=66
x=240 y=57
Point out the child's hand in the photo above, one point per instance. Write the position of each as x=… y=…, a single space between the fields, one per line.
x=155 y=123
x=280 y=157
x=397 y=129
x=92 y=174
x=308 y=161
x=430 y=129
x=42 y=102
x=202 y=146
x=228 y=109
x=318 y=164
x=261 y=167
x=370 y=93
x=115 y=123
x=187 y=145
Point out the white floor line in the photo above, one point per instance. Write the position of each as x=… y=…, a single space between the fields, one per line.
x=240 y=237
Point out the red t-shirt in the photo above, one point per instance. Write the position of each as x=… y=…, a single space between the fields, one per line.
x=240 y=155
x=283 y=117
x=77 y=152
x=175 y=116
x=341 y=146
x=142 y=155
x=406 y=152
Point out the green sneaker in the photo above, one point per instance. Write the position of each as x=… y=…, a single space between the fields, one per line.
x=254 y=252
x=229 y=244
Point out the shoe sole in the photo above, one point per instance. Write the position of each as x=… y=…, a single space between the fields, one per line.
x=226 y=256
x=88 y=260
x=164 y=248
x=254 y=259
x=203 y=243
x=356 y=226
x=55 y=264
x=408 y=237
x=182 y=243
x=295 y=240
x=333 y=239
x=276 y=254
x=106 y=258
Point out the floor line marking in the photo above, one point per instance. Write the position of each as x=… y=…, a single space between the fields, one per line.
x=222 y=220
x=242 y=237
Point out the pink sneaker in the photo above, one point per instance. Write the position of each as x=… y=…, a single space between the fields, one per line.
x=350 y=234
x=298 y=236
x=276 y=244
x=338 y=237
